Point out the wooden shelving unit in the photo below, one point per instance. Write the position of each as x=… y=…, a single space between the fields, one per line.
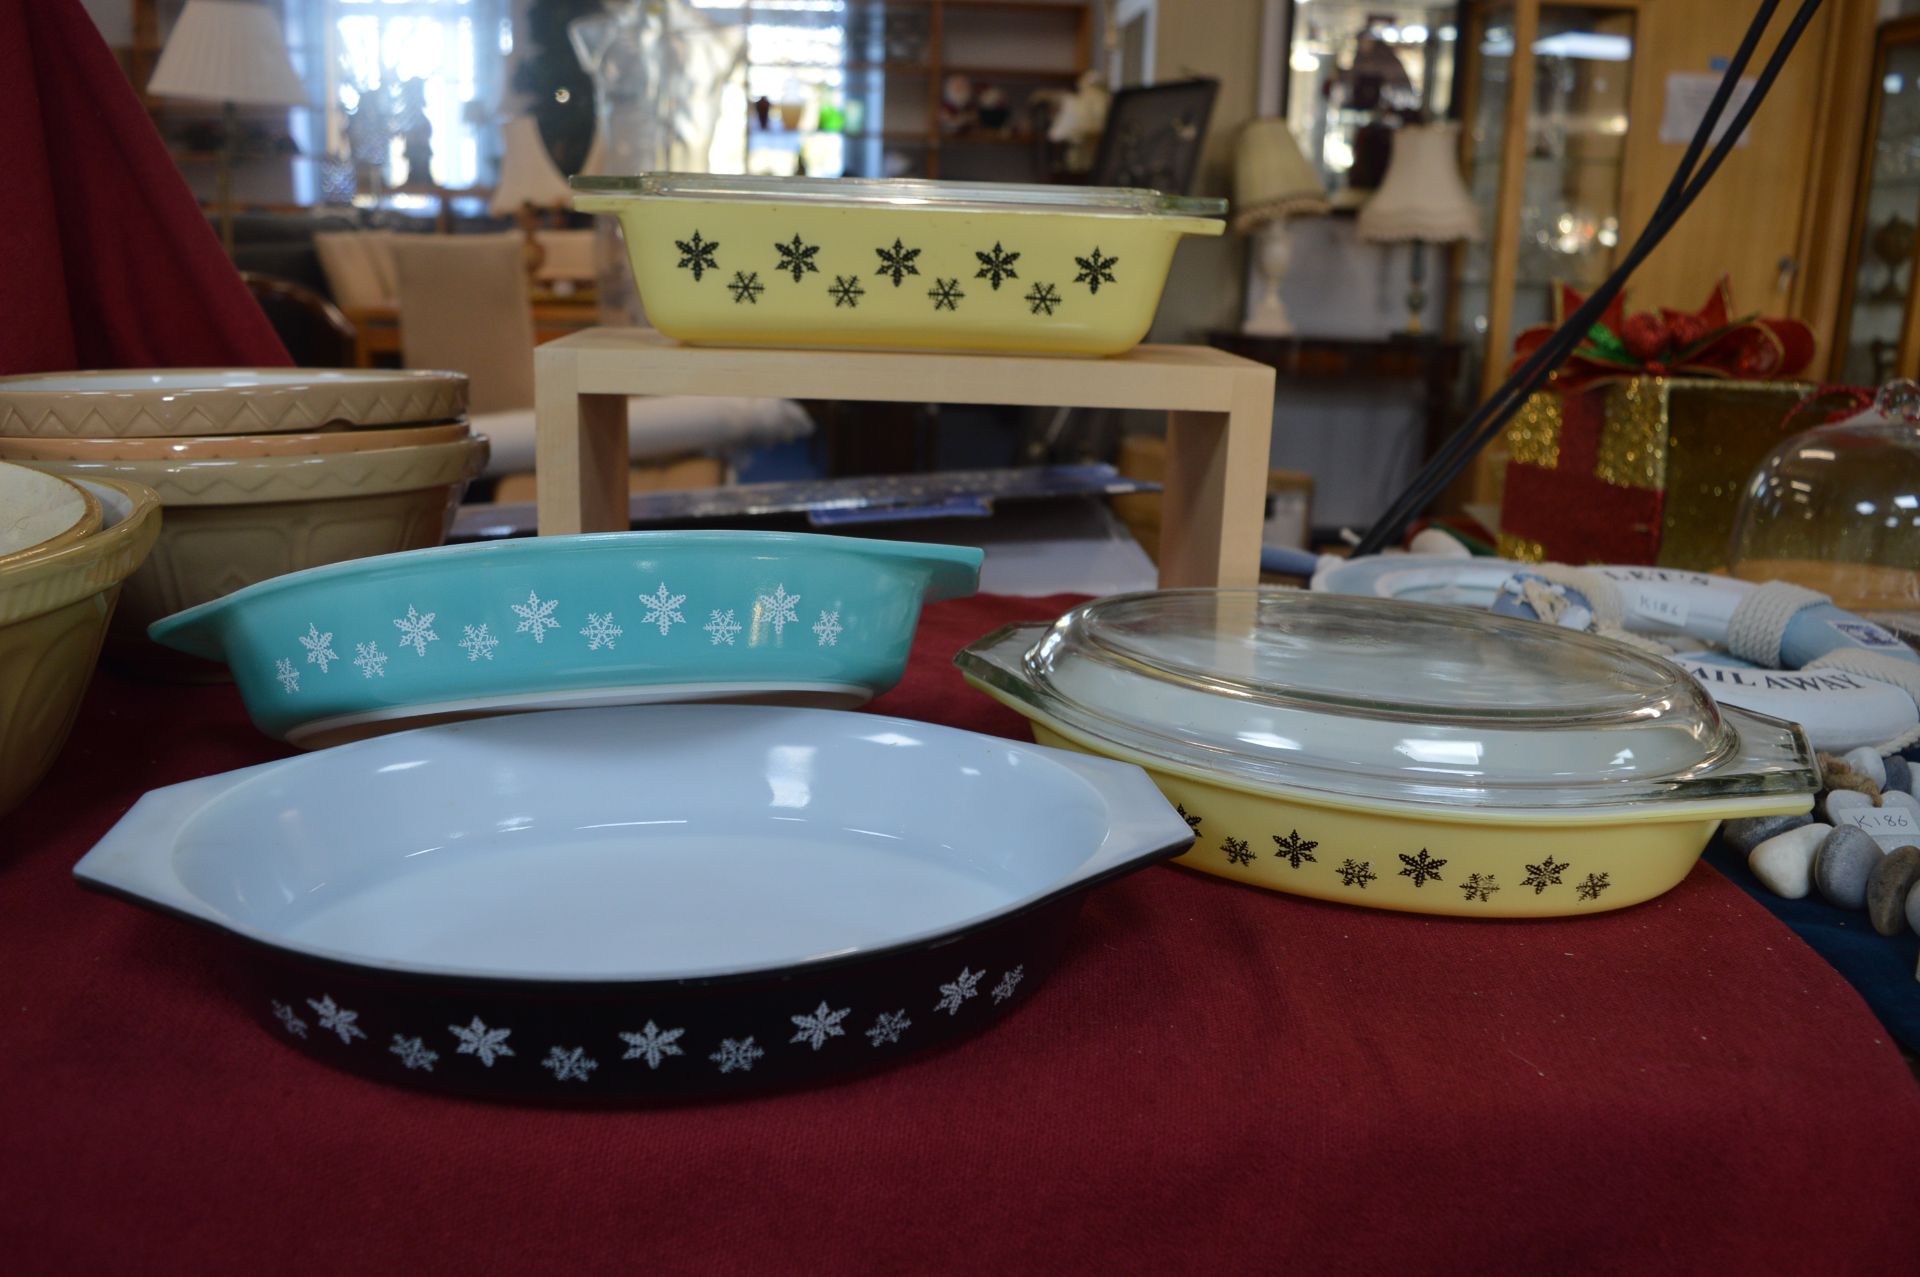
x=969 y=28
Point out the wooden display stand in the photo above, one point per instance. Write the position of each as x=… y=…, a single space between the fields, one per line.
x=1219 y=419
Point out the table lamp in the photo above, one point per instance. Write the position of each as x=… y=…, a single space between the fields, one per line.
x=1421 y=201
x=233 y=53
x=1272 y=182
x=528 y=182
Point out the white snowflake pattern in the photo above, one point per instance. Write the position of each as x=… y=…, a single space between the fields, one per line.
x=371 y=660
x=289 y=677
x=536 y=618
x=827 y=628
x=569 y=1065
x=414 y=1053
x=816 y=1028
x=600 y=631
x=416 y=630
x=478 y=642
x=1008 y=983
x=736 y=1055
x=722 y=627
x=319 y=646
x=478 y=1039
x=336 y=1018
x=777 y=609
x=952 y=995
x=663 y=609
x=889 y=1027
x=652 y=1044
x=287 y=1017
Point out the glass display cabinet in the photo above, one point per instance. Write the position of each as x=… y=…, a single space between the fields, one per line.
x=1545 y=101
x=1878 y=337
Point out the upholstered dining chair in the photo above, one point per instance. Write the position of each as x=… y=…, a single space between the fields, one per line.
x=464 y=305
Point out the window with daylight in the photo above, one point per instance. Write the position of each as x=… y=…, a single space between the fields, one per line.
x=411 y=87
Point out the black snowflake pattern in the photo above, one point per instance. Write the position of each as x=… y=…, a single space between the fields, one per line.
x=1294 y=848
x=1356 y=873
x=1193 y=821
x=1237 y=851
x=946 y=294
x=696 y=255
x=1422 y=868
x=897 y=262
x=1543 y=875
x=1095 y=270
x=846 y=292
x=1592 y=887
x=996 y=265
x=1480 y=886
x=747 y=287
x=1041 y=299
x=796 y=257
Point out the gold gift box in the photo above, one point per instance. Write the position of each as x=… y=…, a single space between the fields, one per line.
x=1697 y=440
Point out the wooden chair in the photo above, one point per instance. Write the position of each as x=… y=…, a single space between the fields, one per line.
x=314 y=330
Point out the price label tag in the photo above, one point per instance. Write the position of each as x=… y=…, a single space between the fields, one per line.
x=1667 y=609
x=1891 y=827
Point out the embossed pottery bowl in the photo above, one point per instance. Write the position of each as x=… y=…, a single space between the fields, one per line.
x=223 y=401
x=896 y=264
x=234 y=523
x=54 y=609
x=230 y=447
x=641 y=903
x=614 y=618
x=1402 y=755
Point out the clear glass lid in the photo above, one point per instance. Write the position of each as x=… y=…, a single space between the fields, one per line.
x=906 y=193
x=1377 y=698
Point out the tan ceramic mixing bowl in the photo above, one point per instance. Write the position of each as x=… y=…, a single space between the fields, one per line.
x=229 y=447
x=234 y=523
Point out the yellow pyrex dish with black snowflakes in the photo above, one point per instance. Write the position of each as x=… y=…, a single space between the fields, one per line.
x=1401 y=755
x=898 y=264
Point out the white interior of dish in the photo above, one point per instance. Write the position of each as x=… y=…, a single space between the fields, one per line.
x=639 y=843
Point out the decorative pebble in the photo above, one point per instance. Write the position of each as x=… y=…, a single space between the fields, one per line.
x=1900 y=798
x=1745 y=834
x=1888 y=886
x=1841 y=866
x=1841 y=801
x=1784 y=862
x=1899 y=774
x=1866 y=761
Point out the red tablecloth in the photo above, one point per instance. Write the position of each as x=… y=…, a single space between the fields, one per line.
x=1217 y=1079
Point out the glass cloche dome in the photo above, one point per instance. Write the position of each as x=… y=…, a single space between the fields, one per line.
x=1837 y=509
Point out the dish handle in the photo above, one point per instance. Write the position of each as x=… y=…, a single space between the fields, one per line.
x=1142 y=826
x=136 y=857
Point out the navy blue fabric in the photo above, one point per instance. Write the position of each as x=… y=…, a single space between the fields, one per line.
x=1880 y=967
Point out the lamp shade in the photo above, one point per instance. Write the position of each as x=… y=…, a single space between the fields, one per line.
x=527 y=174
x=227 y=51
x=1271 y=178
x=1422 y=197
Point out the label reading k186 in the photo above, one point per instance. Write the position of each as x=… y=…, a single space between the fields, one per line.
x=1668 y=609
x=1891 y=827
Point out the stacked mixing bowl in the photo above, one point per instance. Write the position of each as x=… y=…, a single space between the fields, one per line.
x=261 y=471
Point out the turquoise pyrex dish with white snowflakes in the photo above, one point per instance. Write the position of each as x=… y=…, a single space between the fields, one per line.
x=353 y=649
